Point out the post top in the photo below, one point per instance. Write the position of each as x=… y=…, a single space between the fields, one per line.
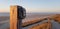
x=14 y=5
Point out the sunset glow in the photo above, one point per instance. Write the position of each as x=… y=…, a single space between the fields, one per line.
x=32 y=5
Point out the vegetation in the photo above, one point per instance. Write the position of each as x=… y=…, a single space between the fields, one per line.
x=56 y=18
x=36 y=20
x=40 y=26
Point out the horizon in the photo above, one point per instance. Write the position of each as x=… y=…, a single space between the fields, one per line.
x=35 y=12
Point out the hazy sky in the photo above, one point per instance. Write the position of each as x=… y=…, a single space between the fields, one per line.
x=32 y=5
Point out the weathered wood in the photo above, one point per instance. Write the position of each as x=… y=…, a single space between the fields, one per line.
x=13 y=17
x=49 y=23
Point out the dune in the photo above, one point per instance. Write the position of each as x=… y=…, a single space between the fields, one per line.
x=40 y=26
x=56 y=18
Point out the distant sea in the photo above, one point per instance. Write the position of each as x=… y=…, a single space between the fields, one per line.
x=4 y=14
x=28 y=14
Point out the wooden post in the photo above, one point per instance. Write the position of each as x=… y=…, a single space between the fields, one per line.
x=17 y=13
x=49 y=23
x=13 y=17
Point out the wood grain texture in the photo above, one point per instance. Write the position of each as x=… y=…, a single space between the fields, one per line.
x=13 y=17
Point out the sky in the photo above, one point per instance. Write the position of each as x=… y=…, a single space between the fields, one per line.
x=31 y=5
